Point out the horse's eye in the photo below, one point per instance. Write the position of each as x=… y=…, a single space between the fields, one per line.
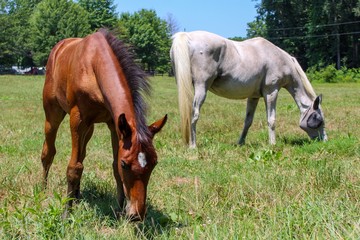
x=124 y=165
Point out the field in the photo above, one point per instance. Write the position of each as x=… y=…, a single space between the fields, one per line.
x=296 y=189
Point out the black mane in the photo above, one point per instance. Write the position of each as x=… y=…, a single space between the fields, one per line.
x=136 y=79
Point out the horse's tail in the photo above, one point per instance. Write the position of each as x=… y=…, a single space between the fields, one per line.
x=307 y=85
x=180 y=58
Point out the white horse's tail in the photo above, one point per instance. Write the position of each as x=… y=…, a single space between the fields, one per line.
x=307 y=85
x=180 y=57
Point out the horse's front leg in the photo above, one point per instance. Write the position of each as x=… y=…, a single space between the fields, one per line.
x=199 y=98
x=119 y=183
x=250 y=112
x=270 y=103
x=80 y=135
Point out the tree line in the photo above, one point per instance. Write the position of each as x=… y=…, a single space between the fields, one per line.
x=317 y=32
x=29 y=29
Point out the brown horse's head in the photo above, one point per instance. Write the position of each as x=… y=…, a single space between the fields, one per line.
x=136 y=160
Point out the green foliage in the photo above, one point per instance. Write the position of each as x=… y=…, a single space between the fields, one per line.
x=6 y=43
x=54 y=20
x=314 y=32
x=256 y=28
x=101 y=13
x=239 y=39
x=330 y=74
x=29 y=29
x=357 y=9
x=150 y=37
x=264 y=155
x=16 y=35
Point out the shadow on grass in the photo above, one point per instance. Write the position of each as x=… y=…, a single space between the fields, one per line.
x=104 y=200
x=155 y=224
x=296 y=141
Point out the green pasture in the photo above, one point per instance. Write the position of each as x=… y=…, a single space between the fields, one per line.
x=297 y=189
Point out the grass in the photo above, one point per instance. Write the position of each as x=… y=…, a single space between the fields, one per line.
x=296 y=189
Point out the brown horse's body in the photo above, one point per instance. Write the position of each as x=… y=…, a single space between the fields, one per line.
x=95 y=80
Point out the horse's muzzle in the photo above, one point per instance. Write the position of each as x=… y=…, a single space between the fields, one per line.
x=135 y=211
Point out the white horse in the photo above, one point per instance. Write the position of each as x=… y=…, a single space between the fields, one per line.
x=250 y=69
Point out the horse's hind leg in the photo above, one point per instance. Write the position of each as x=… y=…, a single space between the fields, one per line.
x=54 y=116
x=250 y=112
x=199 y=98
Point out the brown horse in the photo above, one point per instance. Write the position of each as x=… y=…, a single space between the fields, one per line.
x=94 y=79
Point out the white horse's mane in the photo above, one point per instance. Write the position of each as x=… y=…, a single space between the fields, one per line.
x=307 y=85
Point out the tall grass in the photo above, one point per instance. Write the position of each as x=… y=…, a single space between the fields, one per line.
x=296 y=189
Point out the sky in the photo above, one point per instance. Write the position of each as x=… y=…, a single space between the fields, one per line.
x=227 y=18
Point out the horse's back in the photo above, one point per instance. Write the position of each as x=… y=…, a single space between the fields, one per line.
x=277 y=63
x=239 y=69
x=230 y=68
x=205 y=50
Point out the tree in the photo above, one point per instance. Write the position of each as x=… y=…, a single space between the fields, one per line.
x=256 y=28
x=284 y=25
x=316 y=32
x=334 y=30
x=356 y=9
x=54 y=20
x=15 y=31
x=20 y=12
x=102 y=13
x=150 y=37
x=239 y=39
x=6 y=42
x=172 y=23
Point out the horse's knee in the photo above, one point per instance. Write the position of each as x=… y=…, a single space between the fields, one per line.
x=74 y=173
x=271 y=123
x=195 y=116
x=47 y=155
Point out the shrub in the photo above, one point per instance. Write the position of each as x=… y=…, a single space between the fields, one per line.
x=330 y=74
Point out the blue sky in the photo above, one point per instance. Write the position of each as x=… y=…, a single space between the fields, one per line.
x=227 y=18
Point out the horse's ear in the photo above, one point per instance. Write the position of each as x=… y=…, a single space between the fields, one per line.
x=157 y=126
x=317 y=102
x=124 y=126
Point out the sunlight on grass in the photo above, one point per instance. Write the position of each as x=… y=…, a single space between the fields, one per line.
x=296 y=189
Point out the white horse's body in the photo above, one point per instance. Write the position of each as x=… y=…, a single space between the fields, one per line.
x=250 y=69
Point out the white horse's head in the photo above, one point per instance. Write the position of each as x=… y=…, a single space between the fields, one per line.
x=312 y=121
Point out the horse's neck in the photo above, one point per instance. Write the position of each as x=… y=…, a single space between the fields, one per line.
x=302 y=98
x=115 y=91
x=300 y=87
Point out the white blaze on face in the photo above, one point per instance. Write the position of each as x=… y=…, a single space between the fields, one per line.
x=142 y=159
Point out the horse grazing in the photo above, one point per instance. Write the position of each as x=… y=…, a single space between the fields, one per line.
x=94 y=79
x=250 y=69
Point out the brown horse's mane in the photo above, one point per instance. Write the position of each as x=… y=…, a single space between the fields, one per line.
x=136 y=79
